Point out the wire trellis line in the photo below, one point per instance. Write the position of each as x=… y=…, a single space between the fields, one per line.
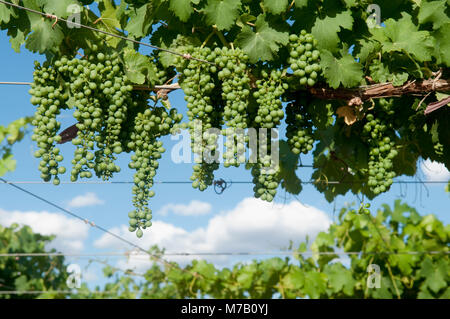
x=254 y=253
x=64 y=292
x=79 y=25
x=139 y=248
x=232 y=182
x=16 y=83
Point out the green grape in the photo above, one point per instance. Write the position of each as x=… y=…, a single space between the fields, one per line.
x=46 y=92
x=380 y=136
x=204 y=102
x=299 y=131
x=148 y=127
x=304 y=58
x=268 y=96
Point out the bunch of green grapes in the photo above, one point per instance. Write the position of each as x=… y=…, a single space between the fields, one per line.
x=299 y=130
x=149 y=126
x=268 y=96
x=50 y=97
x=198 y=82
x=304 y=58
x=266 y=181
x=103 y=95
x=266 y=171
x=235 y=85
x=380 y=137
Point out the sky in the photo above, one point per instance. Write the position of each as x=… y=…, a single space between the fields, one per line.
x=184 y=219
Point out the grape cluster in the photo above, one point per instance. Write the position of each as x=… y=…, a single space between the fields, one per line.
x=382 y=152
x=299 y=131
x=304 y=58
x=268 y=96
x=266 y=180
x=266 y=171
x=103 y=94
x=149 y=125
x=51 y=97
x=112 y=118
x=235 y=85
x=205 y=113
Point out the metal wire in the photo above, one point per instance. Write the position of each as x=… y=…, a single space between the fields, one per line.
x=254 y=253
x=139 y=248
x=233 y=182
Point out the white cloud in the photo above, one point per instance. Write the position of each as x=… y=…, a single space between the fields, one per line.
x=70 y=232
x=435 y=171
x=88 y=199
x=194 y=208
x=252 y=226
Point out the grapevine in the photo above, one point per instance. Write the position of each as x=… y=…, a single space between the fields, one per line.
x=251 y=66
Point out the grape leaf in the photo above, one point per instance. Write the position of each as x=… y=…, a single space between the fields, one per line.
x=442 y=49
x=182 y=9
x=7 y=163
x=5 y=13
x=326 y=30
x=137 y=66
x=140 y=21
x=275 y=6
x=348 y=113
x=17 y=38
x=108 y=17
x=340 y=278
x=222 y=13
x=263 y=43
x=57 y=7
x=301 y=3
x=433 y=12
x=44 y=37
x=404 y=36
x=345 y=70
x=367 y=49
x=380 y=73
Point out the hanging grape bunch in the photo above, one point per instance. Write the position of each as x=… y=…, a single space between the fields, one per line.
x=381 y=138
x=299 y=131
x=304 y=58
x=199 y=82
x=50 y=98
x=149 y=126
x=235 y=92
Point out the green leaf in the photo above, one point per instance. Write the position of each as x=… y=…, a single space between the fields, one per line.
x=137 y=66
x=57 y=7
x=433 y=12
x=340 y=278
x=294 y=279
x=326 y=30
x=442 y=50
x=182 y=9
x=345 y=70
x=380 y=73
x=108 y=15
x=17 y=39
x=301 y=3
x=7 y=164
x=276 y=6
x=222 y=13
x=5 y=13
x=404 y=36
x=140 y=21
x=262 y=44
x=44 y=37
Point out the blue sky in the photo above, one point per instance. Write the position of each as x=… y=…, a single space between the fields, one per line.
x=229 y=222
